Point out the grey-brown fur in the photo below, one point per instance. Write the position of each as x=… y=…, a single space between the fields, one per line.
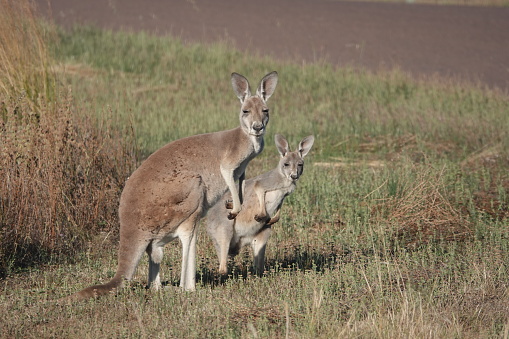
x=167 y=195
x=264 y=196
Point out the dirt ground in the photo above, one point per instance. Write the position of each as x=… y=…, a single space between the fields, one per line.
x=467 y=43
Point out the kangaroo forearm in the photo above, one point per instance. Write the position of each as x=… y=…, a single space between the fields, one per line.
x=260 y=194
x=242 y=185
x=230 y=182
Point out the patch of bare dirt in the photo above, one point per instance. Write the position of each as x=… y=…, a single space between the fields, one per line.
x=465 y=43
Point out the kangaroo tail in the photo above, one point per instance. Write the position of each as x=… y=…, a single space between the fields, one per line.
x=94 y=291
x=128 y=260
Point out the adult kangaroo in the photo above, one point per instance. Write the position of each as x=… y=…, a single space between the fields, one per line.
x=174 y=187
x=264 y=196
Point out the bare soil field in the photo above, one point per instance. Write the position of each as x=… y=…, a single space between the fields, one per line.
x=465 y=43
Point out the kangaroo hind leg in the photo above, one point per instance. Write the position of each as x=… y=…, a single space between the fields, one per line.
x=259 y=244
x=155 y=256
x=188 y=240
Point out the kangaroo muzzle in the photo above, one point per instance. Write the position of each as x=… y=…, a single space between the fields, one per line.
x=258 y=128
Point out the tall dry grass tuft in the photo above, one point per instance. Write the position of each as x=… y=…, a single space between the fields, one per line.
x=60 y=172
x=420 y=210
x=25 y=65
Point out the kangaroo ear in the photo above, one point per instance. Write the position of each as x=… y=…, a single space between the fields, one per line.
x=282 y=144
x=305 y=145
x=267 y=86
x=240 y=86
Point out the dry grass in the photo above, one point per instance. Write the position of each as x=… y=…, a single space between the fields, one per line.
x=60 y=172
x=419 y=209
x=25 y=65
x=61 y=178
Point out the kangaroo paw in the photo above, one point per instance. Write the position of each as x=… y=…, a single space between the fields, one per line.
x=228 y=204
x=232 y=216
x=261 y=218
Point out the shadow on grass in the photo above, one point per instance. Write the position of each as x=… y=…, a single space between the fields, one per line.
x=296 y=258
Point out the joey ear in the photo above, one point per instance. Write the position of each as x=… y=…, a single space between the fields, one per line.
x=240 y=86
x=281 y=144
x=267 y=86
x=305 y=145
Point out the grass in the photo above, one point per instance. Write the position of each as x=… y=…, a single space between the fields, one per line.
x=397 y=229
x=342 y=106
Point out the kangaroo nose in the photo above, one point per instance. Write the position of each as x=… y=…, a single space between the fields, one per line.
x=258 y=127
x=294 y=176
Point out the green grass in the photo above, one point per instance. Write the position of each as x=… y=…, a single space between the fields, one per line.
x=182 y=90
x=397 y=229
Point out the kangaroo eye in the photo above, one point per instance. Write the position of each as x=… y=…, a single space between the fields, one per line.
x=300 y=165
x=266 y=110
x=286 y=164
x=245 y=111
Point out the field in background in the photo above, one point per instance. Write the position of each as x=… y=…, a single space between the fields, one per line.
x=398 y=227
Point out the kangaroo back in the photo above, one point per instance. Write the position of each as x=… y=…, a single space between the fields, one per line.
x=264 y=196
x=169 y=193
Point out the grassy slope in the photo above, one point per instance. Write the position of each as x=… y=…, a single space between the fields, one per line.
x=397 y=228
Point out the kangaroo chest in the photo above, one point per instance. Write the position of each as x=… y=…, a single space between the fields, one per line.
x=246 y=228
x=274 y=198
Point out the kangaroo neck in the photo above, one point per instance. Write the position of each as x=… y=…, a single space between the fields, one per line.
x=256 y=140
x=258 y=143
